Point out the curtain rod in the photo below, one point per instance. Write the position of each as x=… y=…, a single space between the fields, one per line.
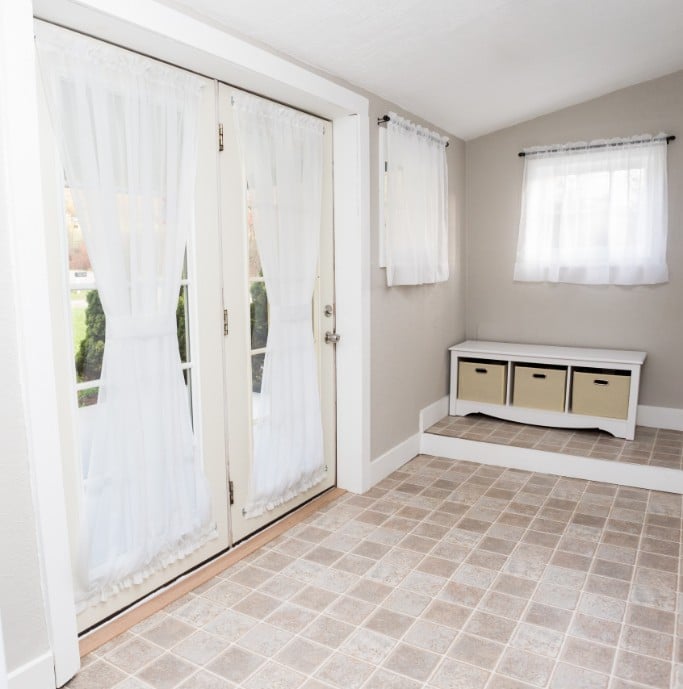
x=385 y=118
x=522 y=154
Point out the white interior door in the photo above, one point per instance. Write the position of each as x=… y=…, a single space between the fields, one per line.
x=245 y=301
x=201 y=346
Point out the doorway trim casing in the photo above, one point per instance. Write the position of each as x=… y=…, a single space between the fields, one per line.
x=154 y=29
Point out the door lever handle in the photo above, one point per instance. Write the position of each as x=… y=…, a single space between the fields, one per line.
x=332 y=338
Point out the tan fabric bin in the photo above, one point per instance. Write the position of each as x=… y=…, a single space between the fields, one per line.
x=600 y=394
x=482 y=381
x=538 y=387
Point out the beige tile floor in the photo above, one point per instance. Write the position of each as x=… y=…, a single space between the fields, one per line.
x=448 y=575
x=651 y=446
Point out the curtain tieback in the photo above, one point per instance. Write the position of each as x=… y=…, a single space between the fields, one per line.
x=143 y=326
x=291 y=313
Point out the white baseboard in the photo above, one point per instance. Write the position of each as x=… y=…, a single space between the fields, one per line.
x=393 y=459
x=638 y=476
x=660 y=417
x=39 y=673
x=433 y=413
x=633 y=475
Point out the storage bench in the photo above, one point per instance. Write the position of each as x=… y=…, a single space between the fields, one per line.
x=567 y=387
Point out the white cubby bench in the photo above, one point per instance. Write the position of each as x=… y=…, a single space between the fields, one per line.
x=544 y=385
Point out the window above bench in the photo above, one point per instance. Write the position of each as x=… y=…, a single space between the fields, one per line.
x=595 y=213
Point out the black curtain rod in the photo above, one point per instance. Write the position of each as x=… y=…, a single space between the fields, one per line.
x=385 y=118
x=522 y=154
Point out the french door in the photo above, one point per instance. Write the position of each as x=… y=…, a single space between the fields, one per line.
x=246 y=342
x=200 y=345
x=222 y=339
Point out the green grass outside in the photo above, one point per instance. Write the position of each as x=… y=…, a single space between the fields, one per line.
x=78 y=306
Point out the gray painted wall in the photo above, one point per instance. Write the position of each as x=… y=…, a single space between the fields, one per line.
x=413 y=326
x=647 y=318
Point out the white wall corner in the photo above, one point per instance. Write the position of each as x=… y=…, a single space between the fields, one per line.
x=351 y=220
x=660 y=417
x=433 y=413
x=39 y=673
x=393 y=459
x=400 y=454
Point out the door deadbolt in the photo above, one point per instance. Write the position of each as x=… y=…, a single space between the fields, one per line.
x=332 y=338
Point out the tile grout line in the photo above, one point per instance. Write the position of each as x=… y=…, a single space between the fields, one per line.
x=471 y=470
x=528 y=528
x=613 y=676
x=489 y=588
x=583 y=591
x=531 y=598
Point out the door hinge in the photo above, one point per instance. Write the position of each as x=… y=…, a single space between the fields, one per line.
x=231 y=492
x=220 y=137
x=225 y=322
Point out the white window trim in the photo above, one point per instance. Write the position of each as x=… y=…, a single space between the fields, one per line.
x=209 y=51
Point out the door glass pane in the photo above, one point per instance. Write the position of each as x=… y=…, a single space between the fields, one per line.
x=182 y=317
x=80 y=269
x=187 y=375
x=256 y=379
x=255 y=270
x=258 y=308
x=257 y=372
x=87 y=397
x=88 y=324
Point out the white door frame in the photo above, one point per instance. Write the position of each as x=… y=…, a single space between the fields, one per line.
x=34 y=337
x=157 y=30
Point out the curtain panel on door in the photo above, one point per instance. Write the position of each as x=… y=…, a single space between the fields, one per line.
x=127 y=132
x=282 y=154
x=414 y=232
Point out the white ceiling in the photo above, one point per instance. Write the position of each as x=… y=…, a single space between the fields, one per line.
x=468 y=66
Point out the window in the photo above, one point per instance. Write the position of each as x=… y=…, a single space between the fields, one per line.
x=595 y=213
x=413 y=203
x=87 y=316
x=258 y=311
x=88 y=322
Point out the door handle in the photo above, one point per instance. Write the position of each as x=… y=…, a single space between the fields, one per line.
x=332 y=338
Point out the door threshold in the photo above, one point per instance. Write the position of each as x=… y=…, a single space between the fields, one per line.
x=159 y=599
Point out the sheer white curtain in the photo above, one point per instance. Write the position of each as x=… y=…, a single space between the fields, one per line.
x=282 y=154
x=595 y=215
x=126 y=127
x=414 y=246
